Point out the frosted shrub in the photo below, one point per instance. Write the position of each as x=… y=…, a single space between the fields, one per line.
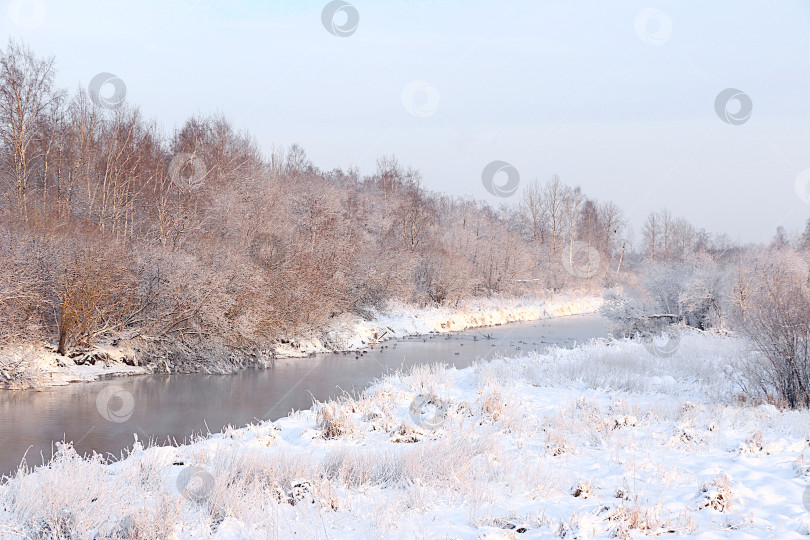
x=583 y=489
x=492 y=405
x=333 y=421
x=716 y=494
x=627 y=519
x=777 y=318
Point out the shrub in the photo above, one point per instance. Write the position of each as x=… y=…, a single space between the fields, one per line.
x=777 y=319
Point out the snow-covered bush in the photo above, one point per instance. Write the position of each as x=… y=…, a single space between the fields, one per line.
x=775 y=314
x=692 y=291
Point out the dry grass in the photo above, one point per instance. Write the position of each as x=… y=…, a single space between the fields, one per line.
x=333 y=421
x=716 y=494
x=498 y=447
x=626 y=520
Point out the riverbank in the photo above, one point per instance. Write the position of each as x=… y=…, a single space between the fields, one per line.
x=605 y=440
x=38 y=366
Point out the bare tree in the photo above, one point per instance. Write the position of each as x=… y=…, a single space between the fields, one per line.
x=26 y=94
x=533 y=210
x=572 y=204
x=553 y=199
x=652 y=233
x=414 y=215
x=613 y=222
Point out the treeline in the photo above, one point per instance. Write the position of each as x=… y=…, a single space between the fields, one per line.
x=683 y=276
x=197 y=243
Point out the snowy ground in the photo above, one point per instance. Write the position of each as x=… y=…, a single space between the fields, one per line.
x=350 y=332
x=612 y=439
x=36 y=365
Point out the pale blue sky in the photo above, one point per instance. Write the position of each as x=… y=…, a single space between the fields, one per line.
x=550 y=87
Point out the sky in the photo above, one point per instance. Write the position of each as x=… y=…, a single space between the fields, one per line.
x=625 y=99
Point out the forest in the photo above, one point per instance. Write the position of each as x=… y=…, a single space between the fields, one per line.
x=197 y=242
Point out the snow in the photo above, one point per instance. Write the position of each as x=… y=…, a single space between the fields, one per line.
x=350 y=332
x=605 y=440
x=37 y=365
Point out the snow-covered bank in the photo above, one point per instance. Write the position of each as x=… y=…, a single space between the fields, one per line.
x=607 y=440
x=36 y=365
x=350 y=332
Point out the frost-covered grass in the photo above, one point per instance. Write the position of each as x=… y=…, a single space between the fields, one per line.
x=606 y=440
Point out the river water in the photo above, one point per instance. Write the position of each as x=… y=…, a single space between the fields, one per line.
x=167 y=408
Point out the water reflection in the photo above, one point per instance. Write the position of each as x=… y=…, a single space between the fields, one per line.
x=173 y=407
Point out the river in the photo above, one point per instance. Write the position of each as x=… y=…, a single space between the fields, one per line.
x=170 y=408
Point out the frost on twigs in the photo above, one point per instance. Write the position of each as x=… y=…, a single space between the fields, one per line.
x=685 y=434
x=514 y=522
x=753 y=444
x=300 y=492
x=626 y=519
x=583 y=489
x=406 y=433
x=333 y=421
x=557 y=444
x=619 y=421
x=801 y=468
x=567 y=528
x=492 y=406
x=716 y=494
